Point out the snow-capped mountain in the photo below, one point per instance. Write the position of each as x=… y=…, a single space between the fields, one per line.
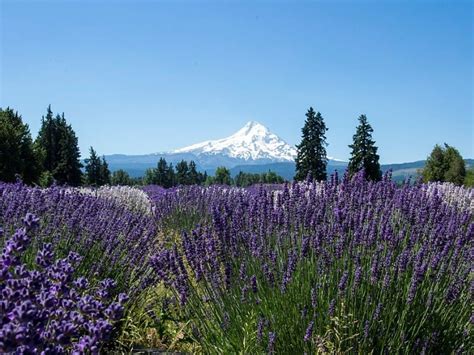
x=252 y=142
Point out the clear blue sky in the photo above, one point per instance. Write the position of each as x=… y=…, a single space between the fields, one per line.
x=146 y=76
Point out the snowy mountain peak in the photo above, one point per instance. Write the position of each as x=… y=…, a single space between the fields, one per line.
x=254 y=141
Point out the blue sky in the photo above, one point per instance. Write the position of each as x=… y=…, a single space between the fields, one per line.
x=146 y=76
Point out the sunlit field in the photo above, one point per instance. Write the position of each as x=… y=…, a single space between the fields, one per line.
x=341 y=266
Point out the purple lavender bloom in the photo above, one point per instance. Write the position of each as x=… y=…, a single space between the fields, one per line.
x=45 y=310
x=343 y=282
x=366 y=329
x=309 y=332
x=332 y=308
x=313 y=298
x=260 y=326
x=253 y=283
x=271 y=342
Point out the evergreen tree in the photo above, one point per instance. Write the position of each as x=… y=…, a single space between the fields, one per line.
x=182 y=173
x=121 y=177
x=222 y=176
x=435 y=166
x=445 y=165
x=162 y=172
x=170 y=177
x=18 y=157
x=203 y=178
x=150 y=177
x=209 y=180
x=364 y=152
x=104 y=172
x=68 y=170
x=58 y=145
x=311 y=157
x=456 y=172
x=93 y=168
x=194 y=178
x=48 y=140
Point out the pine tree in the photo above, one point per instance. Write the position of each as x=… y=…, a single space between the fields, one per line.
x=18 y=157
x=182 y=173
x=222 y=176
x=170 y=177
x=150 y=177
x=121 y=177
x=68 y=170
x=203 y=178
x=364 y=152
x=162 y=172
x=93 y=168
x=47 y=141
x=311 y=157
x=58 y=145
x=194 y=178
x=104 y=172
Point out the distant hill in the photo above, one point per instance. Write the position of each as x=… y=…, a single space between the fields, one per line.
x=252 y=149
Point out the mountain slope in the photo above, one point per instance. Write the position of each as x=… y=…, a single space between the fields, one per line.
x=252 y=142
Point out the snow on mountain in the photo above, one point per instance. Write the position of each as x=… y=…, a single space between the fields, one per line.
x=252 y=142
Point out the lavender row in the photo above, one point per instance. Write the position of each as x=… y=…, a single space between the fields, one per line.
x=377 y=265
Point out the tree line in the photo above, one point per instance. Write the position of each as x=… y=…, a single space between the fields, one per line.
x=54 y=156
x=443 y=164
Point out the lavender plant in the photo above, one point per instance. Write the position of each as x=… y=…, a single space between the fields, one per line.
x=114 y=241
x=46 y=310
x=131 y=197
x=345 y=265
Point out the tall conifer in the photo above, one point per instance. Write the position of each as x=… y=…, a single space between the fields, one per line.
x=364 y=152
x=311 y=158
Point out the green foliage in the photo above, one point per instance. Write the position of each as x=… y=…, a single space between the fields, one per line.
x=469 y=179
x=246 y=179
x=18 y=157
x=121 y=177
x=46 y=179
x=93 y=168
x=166 y=176
x=364 y=152
x=445 y=165
x=311 y=158
x=59 y=149
x=222 y=176
x=456 y=166
x=97 y=170
x=182 y=173
x=104 y=172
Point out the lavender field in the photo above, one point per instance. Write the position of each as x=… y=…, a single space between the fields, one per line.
x=341 y=266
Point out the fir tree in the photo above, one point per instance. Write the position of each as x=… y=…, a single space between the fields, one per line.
x=222 y=176
x=68 y=170
x=18 y=157
x=59 y=149
x=162 y=172
x=47 y=141
x=150 y=177
x=182 y=173
x=311 y=157
x=121 y=177
x=93 y=168
x=104 y=172
x=170 y=177
x=364 y=152
x=194 y=177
